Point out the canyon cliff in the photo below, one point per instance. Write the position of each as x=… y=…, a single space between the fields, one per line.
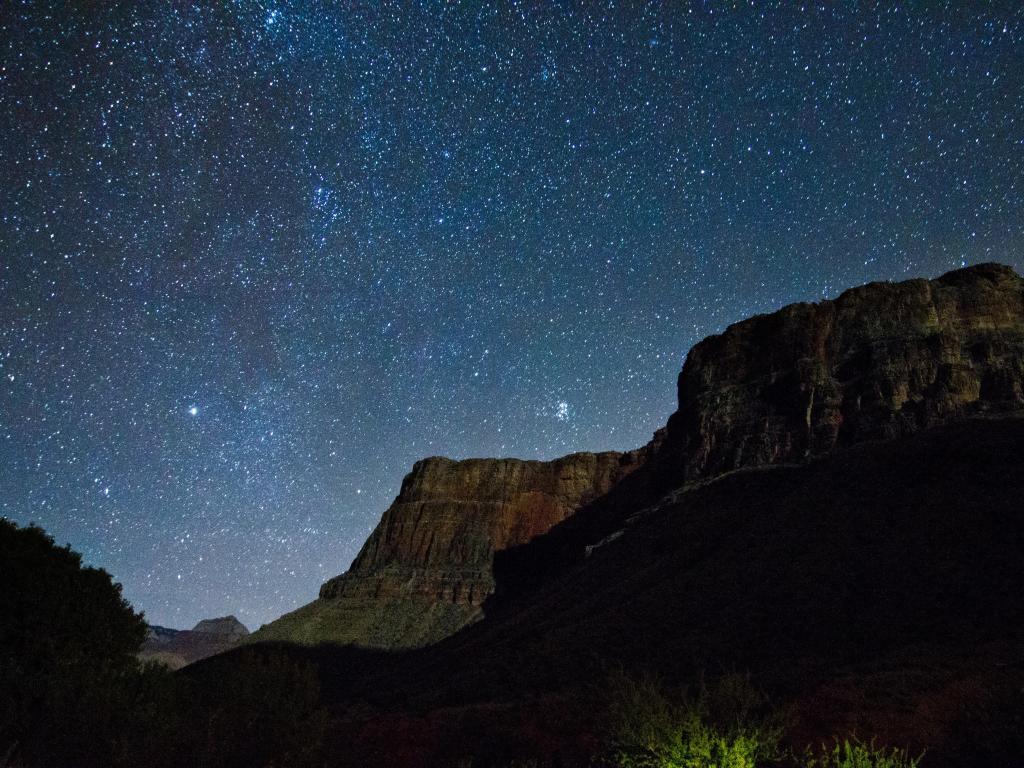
x=881 y=361
x=426 y=569
x=833 y=510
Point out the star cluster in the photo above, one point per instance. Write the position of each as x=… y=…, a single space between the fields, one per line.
x=258 y=257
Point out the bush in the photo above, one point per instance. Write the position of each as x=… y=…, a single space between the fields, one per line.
x=858 y=755
x=729 y=725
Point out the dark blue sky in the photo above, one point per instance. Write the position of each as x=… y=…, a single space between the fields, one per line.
x=258 y=257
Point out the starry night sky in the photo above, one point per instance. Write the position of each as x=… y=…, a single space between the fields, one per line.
x=256 y=258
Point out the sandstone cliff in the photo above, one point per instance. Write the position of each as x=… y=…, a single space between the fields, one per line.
x=427 y=567
x=881 y=360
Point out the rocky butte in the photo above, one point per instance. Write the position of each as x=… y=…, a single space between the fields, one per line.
x=177 y=648
x=880 y=361
x=426 y=569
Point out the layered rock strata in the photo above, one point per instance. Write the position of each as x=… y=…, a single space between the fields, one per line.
x=426 y=569
x=882 y=360
x=879 y=361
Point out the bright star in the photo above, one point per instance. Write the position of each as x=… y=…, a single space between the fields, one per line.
x=193 y=410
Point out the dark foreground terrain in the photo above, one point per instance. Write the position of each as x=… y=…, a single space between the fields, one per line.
x=874 y=592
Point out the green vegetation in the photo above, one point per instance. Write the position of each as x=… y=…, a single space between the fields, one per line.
x=728 y=725
x=858 y=755
x=369 y=622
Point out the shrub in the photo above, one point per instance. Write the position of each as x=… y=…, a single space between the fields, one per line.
x=859 y=755
x=726 y=726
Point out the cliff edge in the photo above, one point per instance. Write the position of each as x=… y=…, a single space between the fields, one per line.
x=426 y=569
x=881 y=361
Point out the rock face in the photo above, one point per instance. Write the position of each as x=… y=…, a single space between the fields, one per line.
x=881 y=360
x=872 y=575
x=177 y=648
x=427 y=567
x=227 y=628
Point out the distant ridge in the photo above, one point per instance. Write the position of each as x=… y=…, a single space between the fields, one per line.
x=177 y=648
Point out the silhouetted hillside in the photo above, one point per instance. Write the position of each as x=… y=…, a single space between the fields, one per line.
x=876 y=590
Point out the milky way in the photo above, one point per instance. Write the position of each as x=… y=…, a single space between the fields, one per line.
x=256 y=258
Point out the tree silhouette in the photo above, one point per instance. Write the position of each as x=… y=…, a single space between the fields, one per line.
x=68 y=641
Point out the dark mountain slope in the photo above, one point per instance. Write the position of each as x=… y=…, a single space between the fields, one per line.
x=875 y=589
x=835 y=508
x=918 y=540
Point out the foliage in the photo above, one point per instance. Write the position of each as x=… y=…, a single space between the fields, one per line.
x=74 y=692
x=728 y=725
x=67 y=646
x=859 y=755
